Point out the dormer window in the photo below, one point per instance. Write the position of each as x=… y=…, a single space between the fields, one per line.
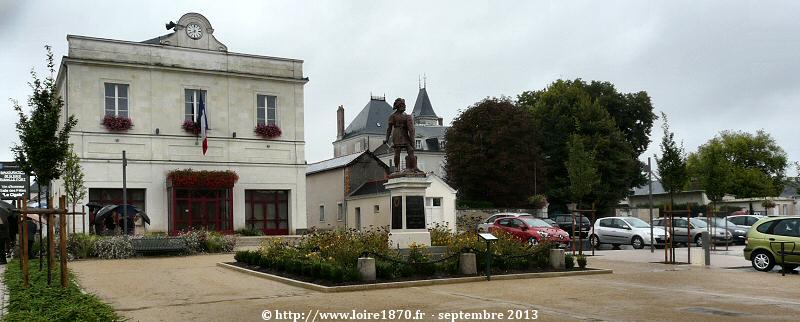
x=418 y=144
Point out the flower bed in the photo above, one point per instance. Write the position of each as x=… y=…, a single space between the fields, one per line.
x=117 y=124
x=267 y=131
x=117 y=247
x=207 y=179
x=330 y=258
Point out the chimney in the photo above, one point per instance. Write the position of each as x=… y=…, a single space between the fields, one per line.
x=340 y=122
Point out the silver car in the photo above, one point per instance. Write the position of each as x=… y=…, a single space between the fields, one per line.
x=624 y=230
x=739 y=232
x=697 y=227
x=489 y=222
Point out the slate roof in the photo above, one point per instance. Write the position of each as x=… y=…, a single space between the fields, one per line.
x=370 y=187
x=657 y=189
x=371 y=120
x=429 y=131
x=789 y=192
x=156 y=40
x=334 y=163
x=423 y=107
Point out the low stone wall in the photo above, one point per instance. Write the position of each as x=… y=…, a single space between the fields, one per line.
x=468 y=219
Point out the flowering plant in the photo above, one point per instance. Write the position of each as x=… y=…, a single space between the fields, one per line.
x=189 y=178
x=268 y=131
x=191 y=127
x=117 y=123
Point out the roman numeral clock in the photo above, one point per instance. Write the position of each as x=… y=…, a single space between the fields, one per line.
x=194 y=31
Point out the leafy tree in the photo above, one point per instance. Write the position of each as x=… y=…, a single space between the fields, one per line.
x=44 y=140
x=615 y=126
x=745 y=165
x=672 y=164
x=74 y=186
x=490 y=153
x=583 y=177
x=711 y=170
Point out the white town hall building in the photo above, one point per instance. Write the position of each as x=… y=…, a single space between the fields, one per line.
x=159 y=84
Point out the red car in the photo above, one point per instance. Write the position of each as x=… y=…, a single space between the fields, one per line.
x=532 y=230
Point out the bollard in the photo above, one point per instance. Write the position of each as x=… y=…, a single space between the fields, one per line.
x=557 y=259
x=467 y=264
x=366 y=268
x=706 y=247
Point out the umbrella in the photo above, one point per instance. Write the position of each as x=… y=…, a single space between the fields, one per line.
x=132 y=210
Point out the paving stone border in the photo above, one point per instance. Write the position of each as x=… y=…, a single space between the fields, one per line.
x=376 y=286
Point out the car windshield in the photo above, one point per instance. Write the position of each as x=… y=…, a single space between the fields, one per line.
x=697 y=223
x=721 y=222
x=535 y=222
x=637 y=223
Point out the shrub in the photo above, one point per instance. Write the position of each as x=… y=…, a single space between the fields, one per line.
x=569 y=261
x=581 y=261
x=114 y=247
x=440 y=234
x=249 y=232
x=81 y=245
x=203 y=241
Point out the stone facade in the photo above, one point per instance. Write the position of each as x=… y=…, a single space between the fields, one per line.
x=156 y=74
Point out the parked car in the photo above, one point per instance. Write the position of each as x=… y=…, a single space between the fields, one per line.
x=625 y=230
x=744 y=220
x=764 y=239
x=486 y=224
x=564 y=222
x=531 y=230
x=551 y=222
x=697 y=227
x=738 y=233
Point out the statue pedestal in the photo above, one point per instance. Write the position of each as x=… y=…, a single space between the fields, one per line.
x=408 y=211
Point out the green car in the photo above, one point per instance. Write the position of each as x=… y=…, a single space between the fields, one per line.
x=764 y=239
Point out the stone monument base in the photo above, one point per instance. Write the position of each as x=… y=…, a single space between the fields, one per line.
x=403 y=239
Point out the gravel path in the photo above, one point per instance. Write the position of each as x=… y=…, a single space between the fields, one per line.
x=193 y=288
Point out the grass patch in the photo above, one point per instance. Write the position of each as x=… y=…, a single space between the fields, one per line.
x=42 y=303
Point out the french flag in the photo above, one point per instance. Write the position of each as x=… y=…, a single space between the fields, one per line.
x=202 y=120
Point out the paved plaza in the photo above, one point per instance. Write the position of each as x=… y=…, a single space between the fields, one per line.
x=194 y=288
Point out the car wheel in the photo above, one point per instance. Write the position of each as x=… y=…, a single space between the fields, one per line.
x=533 y=241
x=763 y=261
x=594 y=240
x=698 y=240
x=637 y=242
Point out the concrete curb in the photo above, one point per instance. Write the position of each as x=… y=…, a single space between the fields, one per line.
x=377 y=286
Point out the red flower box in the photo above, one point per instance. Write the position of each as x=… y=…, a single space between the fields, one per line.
x=205 y=179
x=268 y=131
x=191 y=127
x=117 y=124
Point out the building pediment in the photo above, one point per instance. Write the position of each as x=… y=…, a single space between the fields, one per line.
x=192 y=30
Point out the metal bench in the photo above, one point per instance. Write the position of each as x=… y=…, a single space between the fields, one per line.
x=150 y=245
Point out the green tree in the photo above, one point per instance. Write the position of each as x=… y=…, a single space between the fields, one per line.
x=490 y=153
x=672 y=164
x=615 y=126
x=44 y=139
x=580 y=164
x=745 y=165
x=710 y=170
x=74 y=186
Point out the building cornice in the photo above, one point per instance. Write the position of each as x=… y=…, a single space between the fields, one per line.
x=81 y=61
x=226 y=138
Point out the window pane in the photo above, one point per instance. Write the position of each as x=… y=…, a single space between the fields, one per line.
x=271 y=212
x=110 y=103
x=258 y=212
x=189 y=96
x=122 y=90
x=283 y=211
x=271 y=101
x=109 y=89
x=437 y=202
x=110 y=112
x=261 y=101
x=189 y=111
x=271 y=115
x=122 y=104
x=260 y=115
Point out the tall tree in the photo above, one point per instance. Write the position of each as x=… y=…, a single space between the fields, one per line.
x=44 y=139
x=752 y=165
x=580 y=164
x=672 y=164
x=711 y=170
x=615 y=126
x=74 y=186
x=490 y=153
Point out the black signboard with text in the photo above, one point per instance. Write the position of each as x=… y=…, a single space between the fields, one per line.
x=13 y=182
x=415 y=212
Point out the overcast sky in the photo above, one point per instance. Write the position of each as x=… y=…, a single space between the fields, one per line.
x=711 y=66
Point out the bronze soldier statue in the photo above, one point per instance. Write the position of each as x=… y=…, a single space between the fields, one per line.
x=401 y=130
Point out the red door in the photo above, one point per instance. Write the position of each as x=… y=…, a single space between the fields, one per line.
x=267 y=211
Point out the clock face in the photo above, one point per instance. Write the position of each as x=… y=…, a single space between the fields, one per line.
x=194 y=31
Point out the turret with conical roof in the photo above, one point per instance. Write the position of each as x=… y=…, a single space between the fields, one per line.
x=423 y=110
